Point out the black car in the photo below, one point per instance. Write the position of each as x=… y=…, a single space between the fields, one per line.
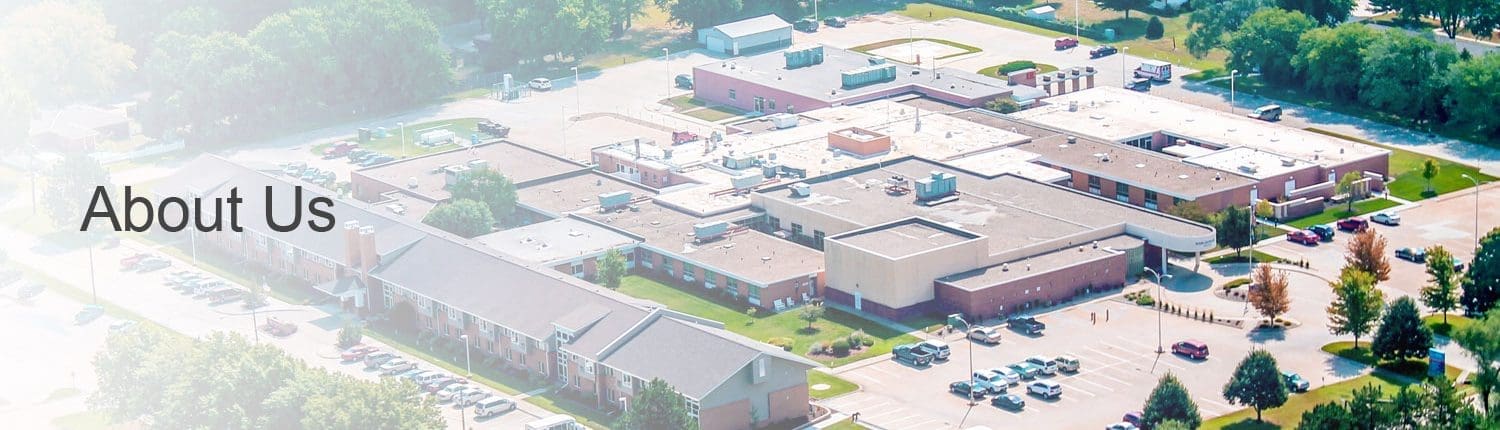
x=835 y=22
x=684 y=81
x=1027 y=325
x=1103 y=51
x=1009 y=401
x=494 y=128
x=1323 y=231
x=1415 y=255
x=967 y=389
x=806 y=25
x=1139 y=84
x=360 y=155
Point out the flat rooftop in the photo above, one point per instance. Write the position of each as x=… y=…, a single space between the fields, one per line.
x=1250 y=162
x=516 y=162
x=1147 y=169
x=555 y=240
x=1010 y=161
x=576 y=192
x=750 y=255
x=904 y=238
x=824 y=81
x=1117 y=114
x=986 y=277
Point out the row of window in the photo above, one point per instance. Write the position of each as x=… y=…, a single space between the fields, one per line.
x=1122 y=193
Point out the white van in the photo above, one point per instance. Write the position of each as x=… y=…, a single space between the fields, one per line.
x=555 y=422
x=423 y=378
x=1048 y=366
x=493 y=406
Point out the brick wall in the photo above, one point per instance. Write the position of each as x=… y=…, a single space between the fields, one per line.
x=1018 y=295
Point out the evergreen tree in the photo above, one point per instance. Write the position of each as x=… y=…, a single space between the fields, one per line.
x=1170 y=401
x=1401 y=334
x=1442 y=293
x=657 y=407
x=1482 y=281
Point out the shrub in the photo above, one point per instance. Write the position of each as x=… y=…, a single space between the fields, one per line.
x=1154 y=29
x=841 y=347
x=785 y=343
x=1144 y=300
x=1236 y=283
x=867 y=342
x=1014 y=66
x=856 y=339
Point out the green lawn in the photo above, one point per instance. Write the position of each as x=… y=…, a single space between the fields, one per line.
x=845 y=425
x=391 y=144
x=834 y=324
x=994 y=71
x=1244 y=257
x=1406 y=166
x=1289 y=414
x=1416 y=368
x=967 y=49
x=836 y=386
x=685 y=102
x=713 y=113
x=1455 y=323
x=1335 y=213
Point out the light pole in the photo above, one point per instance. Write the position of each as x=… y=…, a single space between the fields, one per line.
x=577 y=92
x=469 y=367
x=960 y=318
x=93 y=286
x=911 y=47
x=1476 y=210
x=1124 y=52
x=1232 y=73
x=666 y=58
x=815 y=10
x=1159 y=345
x=403 y=138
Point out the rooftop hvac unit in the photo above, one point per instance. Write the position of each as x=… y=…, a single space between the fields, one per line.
x=710 y=230
x=739 y=161
x=746 y=181
x=452 y=173
x=614 y=200
x=770 y=169
x=784 y=120
x=862 y=76
x=801 y=189
x=1248 y=168
x=478 y=164
x=1287 y=162
x=936 y=186
x=803 y=56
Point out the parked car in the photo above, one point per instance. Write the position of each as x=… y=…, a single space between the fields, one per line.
x=1191 y=348
x=1133 y=417
x=1027 y=325
x=357 y=352
x=88 y=314
x=911 y=354
x=1068 y=363
x=1305 y=237
x=1324 y=232
x=1138 y=84
x=540 y=84
x=1011 y=376
x=1354 y=224
x=1046 y=365
x=1121 y=426
x=1266 y=113
x=1458 y=265
x=1009 y=401
x=224 y=295
x=985 y=335
x=1103 y=51
x=359 y=155
x=339 y=149
x=494 y=128
x=1062 y=43
x=681 y=137
x=181 y=276
x=835 y=22
x=377 y=160
x=446 y=394
x=805 y=25
x=133 y=260
x=471 y=396
x=937 y=348
x=967 y=389
x=1387 y=218
x=493 y=406
x=1159 y=71
x=683 y=81
x=1045 y=388
x=121 y=325
x=150 y=264
x=277 y=327
x=1026 y=370
x=375 y=359
x=441 y=382
x=1415 y=255
x=394 y=367
x=992 y=382
x=1295 y=382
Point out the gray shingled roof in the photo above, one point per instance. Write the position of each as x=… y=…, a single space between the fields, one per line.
x=691 y=357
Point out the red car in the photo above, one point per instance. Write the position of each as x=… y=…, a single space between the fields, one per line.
x=1191 y=348
x=128 y=263
x=1305 y=237
x=1064 y=43
x=357 y=352
x=1354 y=224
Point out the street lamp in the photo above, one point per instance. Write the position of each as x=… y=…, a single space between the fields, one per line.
x=1159 y=348
x=403 y=138
x=666 y=57
x=577 y=96
x=960 y=318
x=1124 y=52
x=1232 y=73
x=467 y=365
x=1476 y=210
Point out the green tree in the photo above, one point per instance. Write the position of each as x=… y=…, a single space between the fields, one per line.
x=657 y=407
x=1367 y=408
x=16 y=109
x=1406 y=407
x=1233 y=227
x=1429 y=171
x=1172 y=425
x=1170 y=401
x=1482 y=281
x=61 y=51
x=1453 y=14
x=490 y=187
x=1366 y=253
x=255 y=297
x=1257 y=383
x=1356 y=304
x=366 y=32
x=70 y=187
x=1154 y=29
x=1441 y=294
x=300 y=44
x=1474 y=88
x=533 y=29
x=612 y=268
x=1482 y=341
x=351 y=334
x=1267 y=40
x=1407 y=10
x=1346 y=186
x=1213 y=21
x=353 y=404
x=1328 y=59
x=1327 y=13
x=811 y=313
x=462 y=217
x=1123 y=5
x=1003 y=105
x=222 y=383
x=1401 y=335
x=132 y=368
x=700 y=14
x=622 y=13
x=201 y=85
x=1327 y=416
x=198 y=20
x=1192 y=211
x=1402 y=75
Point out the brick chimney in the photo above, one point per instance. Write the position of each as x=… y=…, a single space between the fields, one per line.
x=351 y=245
x=369 y=257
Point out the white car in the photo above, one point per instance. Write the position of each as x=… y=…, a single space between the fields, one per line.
x=992 y=382
x=1387 y=218
x=1011 y=377
x=1045 y=388
x=986 y=335
x=396 y=366
x=540 y=84
x=447 y=393
x=470 y=396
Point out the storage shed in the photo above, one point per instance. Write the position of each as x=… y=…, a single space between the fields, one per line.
x=748 y=35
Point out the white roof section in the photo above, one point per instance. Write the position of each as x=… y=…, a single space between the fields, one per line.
x=749 y=26
x=562 y=239
x=1250 y=162
x=1117 y=114
x=1010 y=161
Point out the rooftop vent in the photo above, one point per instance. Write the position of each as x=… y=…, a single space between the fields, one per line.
x=1287 y=162
x=1072 y=139
x=411 y=182
x=1072 y=106
x=801 y=189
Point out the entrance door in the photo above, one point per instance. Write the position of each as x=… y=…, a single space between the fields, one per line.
x=858 y=301
x=760 y=104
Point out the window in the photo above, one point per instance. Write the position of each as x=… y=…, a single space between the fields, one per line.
x=564 y=336
x=771 y=105
x=1122 y=192
x=260 y=240
x=588 y=367
x=732 y=286
x=454 y=314
x=731 y=95
x=754 y=293
x=710 y=279
x=578 y=269
x=646 y=262
x=796 y=229
x=389 y=303
x=1151 y=200
x=818 y=238
x=1093 y=184
x=688 y=272
x=692 y=407
x=775 y=223
x=668 y=265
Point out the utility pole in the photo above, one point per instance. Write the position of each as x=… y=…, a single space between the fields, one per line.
x=960 y=318
x=1160 y=345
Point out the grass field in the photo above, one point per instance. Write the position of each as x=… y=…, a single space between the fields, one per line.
x=1415 y=368
x=834 y=324
x=391 y=144
x=1244 y=257
x=893 y=42
x=845 y=425
x=836 y=386
x=994 y=71
x=1455 y=323
x=714 y=113
x=84 y=421
x=1288 y=415
x=1335 y=213
x=1406 y=166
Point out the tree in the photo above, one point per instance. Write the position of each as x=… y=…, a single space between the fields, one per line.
x=1170 y=401
x=622 y=13
x=1154 y=29
x=1454 y=14
x=534 y=29
x=131 y=368
x=352 y=334
x=1124 y=5
x=70 y=187
x=1233 y=227
x=1401 y=334
x=1327 y=13
x=612 y=268
x=255 y=297
x=1366 y=253
x=1264 y=210
x=195 y=20
x=1482 y=341
x=1327 y=416
x=1269 y=296
x=16 y=109
x=1257 y=383
x=61 y=51
x=1356 y=304
x=1406 y=407
x=1367 y=409
x=658 y=406
x=490 y=187
x=1213 y=20
x=1003 y=105
x=1401 y=75
x=1429 y=171
x=1482 y=282
x=1407 y=10
x=464 y=217
x=1328 y=59
x=1347 y=187
x=1442 y=292
x=1474 y=87
x=202 y=85
x=811 y=313
x=700 y=14
x=1268 y=41
x=1192 y=211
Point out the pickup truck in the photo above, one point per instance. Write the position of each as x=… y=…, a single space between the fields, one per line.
x=340 y=149
x=1027 y=325
x=911 y=353
x=681 y=137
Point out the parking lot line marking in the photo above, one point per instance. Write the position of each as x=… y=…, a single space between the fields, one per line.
x=924 y=424
x=1226 y=408
x=1111 y=356
x=1075 y=377
x=876 y=416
